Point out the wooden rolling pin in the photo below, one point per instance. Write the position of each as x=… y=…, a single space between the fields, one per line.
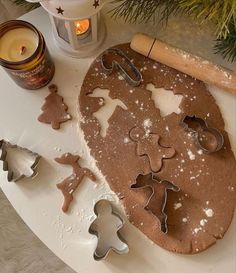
x=185 y=62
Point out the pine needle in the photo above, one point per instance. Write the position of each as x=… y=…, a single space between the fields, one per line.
x=221 y=12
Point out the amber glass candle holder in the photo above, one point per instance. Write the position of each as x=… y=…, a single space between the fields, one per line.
x=37 y=68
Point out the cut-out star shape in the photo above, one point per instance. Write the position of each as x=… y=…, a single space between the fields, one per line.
x=60 y=11
x=96 y=3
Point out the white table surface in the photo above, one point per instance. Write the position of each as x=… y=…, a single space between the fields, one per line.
x=38 y=202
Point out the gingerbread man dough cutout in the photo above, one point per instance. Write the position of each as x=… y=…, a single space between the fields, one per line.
x=148 y=144
x=158 y=197
x=71 y=183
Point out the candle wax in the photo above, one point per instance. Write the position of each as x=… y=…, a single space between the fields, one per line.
x=18 y=44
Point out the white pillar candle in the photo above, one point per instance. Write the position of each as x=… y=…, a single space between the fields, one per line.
x=18 y=44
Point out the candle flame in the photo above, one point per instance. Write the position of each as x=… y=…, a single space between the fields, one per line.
x=82 y=26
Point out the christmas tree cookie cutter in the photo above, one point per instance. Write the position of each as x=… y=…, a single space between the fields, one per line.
x=19 y=171
x=133 y=80
x=107 y=227
x=159 y=191
x=199 y=130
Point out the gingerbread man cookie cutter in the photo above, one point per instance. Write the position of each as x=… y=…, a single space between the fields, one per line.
x=149 y=181
x=107 y=227
x=115 y=65
x=198 y=127
x=32 y=159
x=148 y=144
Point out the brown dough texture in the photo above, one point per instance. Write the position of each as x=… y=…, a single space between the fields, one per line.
x=72 y=182
x=201 y=212
x=54 y=109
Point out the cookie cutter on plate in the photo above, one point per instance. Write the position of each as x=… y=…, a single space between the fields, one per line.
x=146 y=179
x=107 y=227
x=16 y=175
x=197 y=126
x=133 y=81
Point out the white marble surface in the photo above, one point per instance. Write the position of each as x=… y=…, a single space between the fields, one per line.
x=38 y=202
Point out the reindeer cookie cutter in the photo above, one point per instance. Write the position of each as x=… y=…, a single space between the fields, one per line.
x=149 y=181
x=16 y=175
x=107 y=230
x=137 y=76
x=197 y=126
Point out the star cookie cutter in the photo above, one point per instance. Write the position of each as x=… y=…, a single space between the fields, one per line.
x=197 y=127
x=158 y=210
x=106 y=227
x=137 y=76
x=16 y=175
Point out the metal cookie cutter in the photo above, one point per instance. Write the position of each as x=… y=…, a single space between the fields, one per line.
x=106 y=227
x=133 y=81
x=198 y=127
x=156 y=202
x=27 y=158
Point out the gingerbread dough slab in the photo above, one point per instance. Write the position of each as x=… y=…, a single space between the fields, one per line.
x=201 y=212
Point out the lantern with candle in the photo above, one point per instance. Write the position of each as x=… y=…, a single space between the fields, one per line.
x=77 y=24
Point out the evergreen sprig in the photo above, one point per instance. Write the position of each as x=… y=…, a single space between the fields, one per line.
x=143 y=10
x=227 y=46
x=221 y=12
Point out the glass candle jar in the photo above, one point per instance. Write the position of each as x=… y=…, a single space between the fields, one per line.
x=24 y=55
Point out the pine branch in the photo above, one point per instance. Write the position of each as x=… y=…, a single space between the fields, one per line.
x=221 y=12
x=143 y=10
x=227 y=46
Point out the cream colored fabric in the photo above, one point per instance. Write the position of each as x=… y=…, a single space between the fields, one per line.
x=20 y=250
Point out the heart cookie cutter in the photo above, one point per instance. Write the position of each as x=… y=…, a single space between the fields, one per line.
x=197 y=126
x=107 y=227
x=17 y=175
x=133 y=81
x=149 y=181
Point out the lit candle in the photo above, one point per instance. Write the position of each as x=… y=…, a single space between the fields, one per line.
x=24 y=55
x=18 y=44
x=81 y=26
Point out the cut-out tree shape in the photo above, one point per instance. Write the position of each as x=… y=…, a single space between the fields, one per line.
x=108 y=108
x=71 y=183
x=54 y=109
x=106 y=227
x=157 y=199
x=165 y=100
x=148 y=144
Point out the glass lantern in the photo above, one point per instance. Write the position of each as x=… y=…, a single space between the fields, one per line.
x=78 y=28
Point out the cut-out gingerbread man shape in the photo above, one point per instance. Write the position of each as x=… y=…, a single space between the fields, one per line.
x=106 y=227
x=71 y=183
x=54 y=109
x=148 y=144
x=156 y=202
